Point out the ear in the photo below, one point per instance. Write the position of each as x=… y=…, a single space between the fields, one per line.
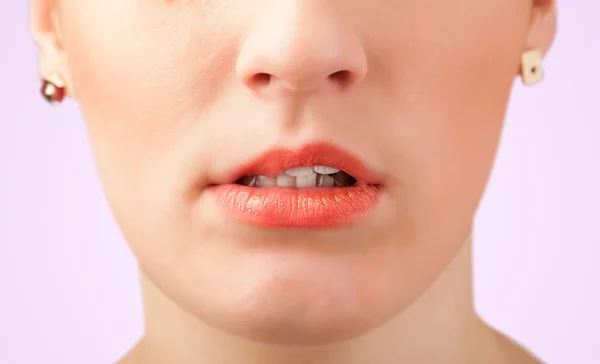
x=44 y=21
x=542 y=27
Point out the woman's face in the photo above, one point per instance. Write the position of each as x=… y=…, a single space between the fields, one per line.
x=178 y=93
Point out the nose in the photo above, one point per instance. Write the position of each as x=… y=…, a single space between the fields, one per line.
x=298 y=47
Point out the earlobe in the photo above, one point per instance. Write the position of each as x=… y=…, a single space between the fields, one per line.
x=542 y=28
x=52 y=64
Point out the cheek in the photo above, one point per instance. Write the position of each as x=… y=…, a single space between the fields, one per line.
x=449 y=100
x=142 y=68
x=143 y=73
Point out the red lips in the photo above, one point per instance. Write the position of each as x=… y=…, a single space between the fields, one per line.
x=314 y=207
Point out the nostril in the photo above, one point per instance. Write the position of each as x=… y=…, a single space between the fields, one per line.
x=259 y=80
x=341 y=78
x=262 y=80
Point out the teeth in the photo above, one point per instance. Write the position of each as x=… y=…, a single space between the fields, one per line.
x=325 y=181
x=306 y=171
x=300 y=171
x=263 y=181
x=306 y=181
x=325 y=170
x=302 y=177
x=283 y=180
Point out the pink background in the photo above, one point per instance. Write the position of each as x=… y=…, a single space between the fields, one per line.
x=68 y=282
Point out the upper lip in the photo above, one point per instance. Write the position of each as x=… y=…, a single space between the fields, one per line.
x=276 y=161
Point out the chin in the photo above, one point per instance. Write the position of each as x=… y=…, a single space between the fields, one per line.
x=290 y=300
x=307 y=321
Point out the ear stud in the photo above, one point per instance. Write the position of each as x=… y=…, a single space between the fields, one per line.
x=53 y=88
x=531 y=67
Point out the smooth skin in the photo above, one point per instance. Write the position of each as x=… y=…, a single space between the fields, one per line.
x=174 y=95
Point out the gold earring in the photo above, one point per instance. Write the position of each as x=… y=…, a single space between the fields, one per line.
x=531 y=67
x=53 y=88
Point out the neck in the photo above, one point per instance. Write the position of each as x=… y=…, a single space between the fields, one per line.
x=441 y=326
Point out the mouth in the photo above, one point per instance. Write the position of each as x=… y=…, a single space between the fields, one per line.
x=316 y=186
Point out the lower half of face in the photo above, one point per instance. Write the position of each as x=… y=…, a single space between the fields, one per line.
x=182 y=98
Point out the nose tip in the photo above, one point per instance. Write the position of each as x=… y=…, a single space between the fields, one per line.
x=288 y=54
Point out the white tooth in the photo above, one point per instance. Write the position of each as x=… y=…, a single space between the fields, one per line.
x=264 y=181
x=283 y=180
x=325 y=170
x=300 y=171
x=326 y=181
x=306 y=181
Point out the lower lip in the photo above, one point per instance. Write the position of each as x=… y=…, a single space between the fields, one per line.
x=319 y=207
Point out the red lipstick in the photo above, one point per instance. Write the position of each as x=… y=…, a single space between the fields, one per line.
x=311 y=207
